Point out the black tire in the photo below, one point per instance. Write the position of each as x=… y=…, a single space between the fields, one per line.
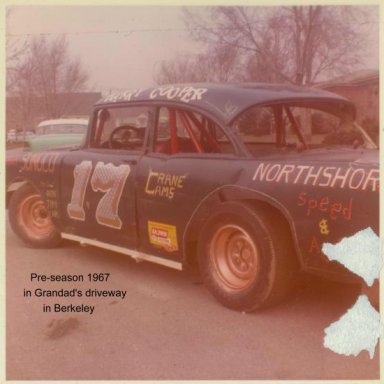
x=246 y=256
x=30 y=219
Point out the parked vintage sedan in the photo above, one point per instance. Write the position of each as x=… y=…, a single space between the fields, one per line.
x=57 y=133
x=247 y=180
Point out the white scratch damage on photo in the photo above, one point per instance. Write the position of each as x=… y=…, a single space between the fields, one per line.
x=359 y=328
x=359 y=253
x=356 y=330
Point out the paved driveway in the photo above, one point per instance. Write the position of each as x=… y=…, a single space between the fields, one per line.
x=166 y=327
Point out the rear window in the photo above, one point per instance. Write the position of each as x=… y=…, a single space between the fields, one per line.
x=302 y=126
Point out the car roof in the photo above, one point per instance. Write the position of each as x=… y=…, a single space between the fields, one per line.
x=226 y=101
x=63 y=121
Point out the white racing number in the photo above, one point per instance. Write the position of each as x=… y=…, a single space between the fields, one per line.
x=81 y=173
x=107 y=178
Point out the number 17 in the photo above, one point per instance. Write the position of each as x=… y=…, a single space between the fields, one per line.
x=107 y=178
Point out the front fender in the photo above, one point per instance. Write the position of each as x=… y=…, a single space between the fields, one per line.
x=40 y=170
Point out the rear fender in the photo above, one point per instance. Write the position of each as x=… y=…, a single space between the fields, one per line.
x=235 y=193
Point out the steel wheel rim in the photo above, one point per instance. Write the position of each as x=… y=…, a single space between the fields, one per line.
x=235 y=257
x=34 y=217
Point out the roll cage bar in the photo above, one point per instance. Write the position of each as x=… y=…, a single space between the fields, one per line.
x=188 y=119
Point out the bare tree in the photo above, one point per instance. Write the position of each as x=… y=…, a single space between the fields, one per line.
x=14 y=51
x=183 y=69
x=55 y=73
x=41 y=76
x=214 y=66
x=298 y=44
x=40 y=79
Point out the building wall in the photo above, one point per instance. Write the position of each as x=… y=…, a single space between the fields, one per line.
x=25 y=113
x=362 y=88
x=365 y=96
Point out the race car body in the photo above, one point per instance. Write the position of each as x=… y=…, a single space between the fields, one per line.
x=249 y=180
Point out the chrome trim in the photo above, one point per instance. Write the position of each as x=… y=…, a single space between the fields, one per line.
x=138 y=256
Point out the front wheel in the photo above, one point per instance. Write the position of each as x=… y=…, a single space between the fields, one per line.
x=30 y=219
x=246 y=256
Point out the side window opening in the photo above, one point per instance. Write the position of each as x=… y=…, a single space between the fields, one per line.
x=120 y=128
x=181 y=131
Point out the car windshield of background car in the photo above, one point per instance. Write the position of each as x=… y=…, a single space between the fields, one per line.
x=61 y=129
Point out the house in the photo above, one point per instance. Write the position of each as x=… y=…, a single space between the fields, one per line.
x=361 y=87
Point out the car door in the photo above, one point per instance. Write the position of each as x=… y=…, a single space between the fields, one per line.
x=98 y=182
x=190 y=157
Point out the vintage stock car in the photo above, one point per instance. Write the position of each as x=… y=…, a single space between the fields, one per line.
x=247 y=180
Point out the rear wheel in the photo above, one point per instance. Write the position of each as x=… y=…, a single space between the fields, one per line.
x=246 y=256
x=30 y=219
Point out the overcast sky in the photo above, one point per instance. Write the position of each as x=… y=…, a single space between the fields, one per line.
x=118 y=46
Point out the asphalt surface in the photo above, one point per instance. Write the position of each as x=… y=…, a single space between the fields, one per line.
x=167 y=326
